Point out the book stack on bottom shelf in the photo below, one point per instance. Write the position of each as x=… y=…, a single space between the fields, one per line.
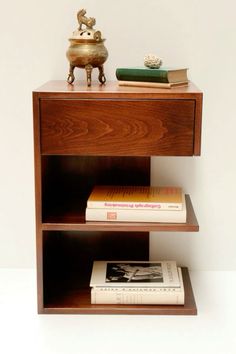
x=137 y=283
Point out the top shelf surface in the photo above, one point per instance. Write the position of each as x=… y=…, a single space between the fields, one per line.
x=112 y=89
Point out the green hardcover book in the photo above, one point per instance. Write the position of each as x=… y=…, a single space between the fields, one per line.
x=165 y=75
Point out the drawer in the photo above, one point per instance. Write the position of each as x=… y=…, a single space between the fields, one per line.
x=117 y=127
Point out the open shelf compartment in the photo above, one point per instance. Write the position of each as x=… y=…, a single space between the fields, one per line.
x=68 y=259
x=67 y=184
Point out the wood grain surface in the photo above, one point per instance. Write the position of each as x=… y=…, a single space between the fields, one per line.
x=105 y=134
x=118 y=127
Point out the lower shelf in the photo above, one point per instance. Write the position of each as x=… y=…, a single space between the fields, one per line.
x=77 y=301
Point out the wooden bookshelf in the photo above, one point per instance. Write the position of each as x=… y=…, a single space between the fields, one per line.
x=102 y=135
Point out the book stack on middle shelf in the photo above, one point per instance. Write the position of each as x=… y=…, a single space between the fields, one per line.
x=137 y=282
x=163 y=77
x=136 y=204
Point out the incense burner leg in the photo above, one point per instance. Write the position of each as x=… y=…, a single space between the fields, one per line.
x=89 y=69
x=101 y=76
x=71 y=76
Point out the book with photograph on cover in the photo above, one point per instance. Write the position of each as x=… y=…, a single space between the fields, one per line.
x=134 y=274
x=139 y=295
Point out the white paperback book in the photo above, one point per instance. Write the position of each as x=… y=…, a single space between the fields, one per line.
x=125 y=215
x=139 y=295
x=134 y=274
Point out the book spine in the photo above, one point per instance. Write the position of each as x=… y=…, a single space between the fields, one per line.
x=134 y=205
x=125 y=296
x=117 y=215
x=148 y=75
x=152 y=84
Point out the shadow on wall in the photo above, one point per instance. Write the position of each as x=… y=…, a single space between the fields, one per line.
x=175 y=171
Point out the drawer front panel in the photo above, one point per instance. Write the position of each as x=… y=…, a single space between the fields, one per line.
x=117 y=127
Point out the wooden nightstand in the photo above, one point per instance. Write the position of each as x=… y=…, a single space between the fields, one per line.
x=102 y=135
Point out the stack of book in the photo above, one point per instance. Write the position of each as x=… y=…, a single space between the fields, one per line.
x=136 y=204
x=137 y=282
x=146 y=77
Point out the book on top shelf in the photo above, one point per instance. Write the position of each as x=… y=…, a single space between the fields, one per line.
x=146 y=274
x=163 y=74
x=136 y=197
x=167 y=85
x=132 y=215
x=139 y=295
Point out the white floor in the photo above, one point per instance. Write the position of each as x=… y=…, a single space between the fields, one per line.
x=212 y=331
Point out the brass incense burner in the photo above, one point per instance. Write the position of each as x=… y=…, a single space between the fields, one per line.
x=86 y=50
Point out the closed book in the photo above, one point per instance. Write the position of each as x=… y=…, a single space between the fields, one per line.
x=165 y=75
x=161 y=85
x=139 y=295
x=130 y=215
x=136 y=197
x=132 y=274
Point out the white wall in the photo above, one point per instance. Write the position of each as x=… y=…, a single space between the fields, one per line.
x=199 y=34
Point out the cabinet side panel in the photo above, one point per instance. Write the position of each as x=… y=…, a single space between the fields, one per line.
x=38 y=199
x=198 y=125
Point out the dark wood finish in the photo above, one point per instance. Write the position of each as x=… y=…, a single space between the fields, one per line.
x=68 y=181
x=58 y=89
x=136 y=127
x=102 y=135
x=38 y=201
x=112 y=91
x=69 y=256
